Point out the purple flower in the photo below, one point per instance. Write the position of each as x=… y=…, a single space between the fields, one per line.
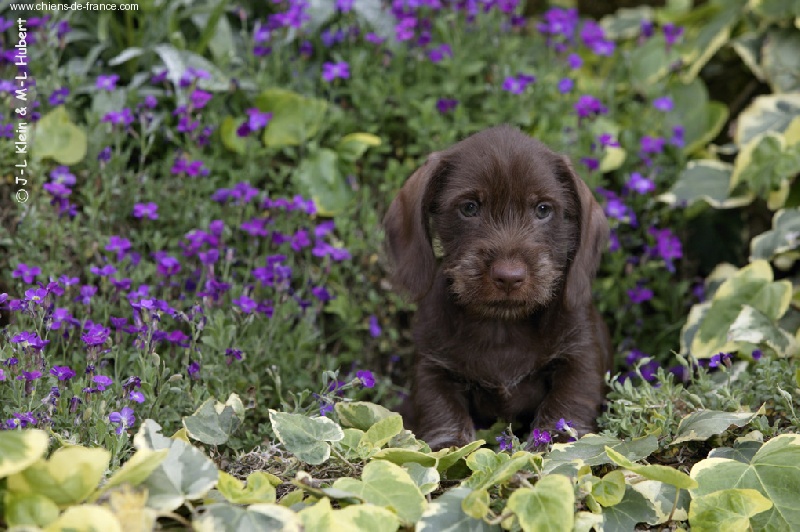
x=445 y=105
x=321 y=293
x=591 y=163
x=374 y=327
x=36 y=295
x=540 y=437
x=123 y=117
x=123 y=419
x=651 y=144
x=668 y=246
x=639 y=295
x=439 y=53
x=672 y=33
x=104 y=155
x=28 y=273
x=87 y=291
x=756 y=354
x=565 y=85
x=563 y=424
x=505 y=441
x=107 y=83
x=677 y=136
x=640 y=184
x=331 y=71
x=96 y=335
x=616 y=209
x=62 y=373
x=102 y=382
x=559 y=22
x=168 y=265
x=344 y=5
x=119 y=244
x=663 y=103
x=719 y=358
x=257 y=120
x=366 y=378
x=245 y=303
x=593 y=37
x=136 y=397
x=517 y=84
x=2 y=375
x=325 y=409
x=29 y=375
x=58 y=96
x=105 y=271
x=145 y=210
x=574 y=61
x=199 y=98
x=404 y=30
x=193 y=369
x=587 y=105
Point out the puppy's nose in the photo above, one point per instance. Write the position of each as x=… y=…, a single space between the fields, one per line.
x=508 y=275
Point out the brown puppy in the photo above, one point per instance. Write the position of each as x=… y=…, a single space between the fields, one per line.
x=498 y=240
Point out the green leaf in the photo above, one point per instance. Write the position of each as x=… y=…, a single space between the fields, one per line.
x=444 y=514
x=381 y=432
x=426 y=478
x=633 y=509
x=259 y=488
x=214 y=422
x=780 y=60
x=448 y=458
x=752 y=327
x=776 y=10
x=660 y=473
x=774 y=471
x=20 y=448
x=305 y=437
x=86 y=518
x=31 y=509
x=651 y=62
x=764 y=164
x=179 y=61
x=376 y=15
x=752 y=285
x=742 y=451
x=135 y=471
x=385 y=484
x=405 y=456
x=360 y=517
x=68 y=477
x=549 y=505
x=782 y=240
x=56 y=137
x=706 y=180
x=185 y=474
x=771 y=113
x=492 y=469
x=703 y=424
x=351 y=147
x=729 y=509
x=261 y=517
x=361 y=414
x=610 y=489
x=661 y=498
x=227 y=133
x=591 y=450
x=713 y=35
x=320 y=177
x=295 y=118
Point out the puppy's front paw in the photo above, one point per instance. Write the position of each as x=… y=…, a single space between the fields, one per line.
x=443 y=438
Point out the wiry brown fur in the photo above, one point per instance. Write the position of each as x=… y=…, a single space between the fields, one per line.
x=505 y=326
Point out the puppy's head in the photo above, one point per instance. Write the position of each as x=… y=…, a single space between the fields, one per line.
x=516 y=228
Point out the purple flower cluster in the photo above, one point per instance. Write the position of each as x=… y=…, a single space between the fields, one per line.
x=60 y=188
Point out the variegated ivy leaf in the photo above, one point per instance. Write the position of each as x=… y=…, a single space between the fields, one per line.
x=729 y=509
x=19 y=449
x=549 y=505
x=753 y=285
x=780 y=243
x=214 y=422
x=774 y=471
x=591 y=450
x=701 y=425
x=321 y=516
x=706 y=180
x=752 y=327
x=773 y=113
x=780 y=60
x=711 y=37
x=307 y=438
x=660 y=473
x=764 y=164
x=444 y=514
x=662 y=498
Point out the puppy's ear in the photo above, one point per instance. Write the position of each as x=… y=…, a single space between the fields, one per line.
x=592 y=240
x=406 y=222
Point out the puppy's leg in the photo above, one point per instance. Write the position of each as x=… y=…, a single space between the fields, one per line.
x=576 y=393
x=441 y=408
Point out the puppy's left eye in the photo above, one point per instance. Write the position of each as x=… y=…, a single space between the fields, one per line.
x=543 y=210
x=469 y=209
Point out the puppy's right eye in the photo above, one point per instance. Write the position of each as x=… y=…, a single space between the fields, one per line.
x=469 y=209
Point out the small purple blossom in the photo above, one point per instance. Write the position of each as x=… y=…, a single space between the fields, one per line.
x=663 y=104
x=505 y=442
x=145 y=210
x=366 y=378
x=331 y=71
x=439 y=53
x=540 y=437
x=136 y=396
x=374 y=326
x=62 y=373
x=124 y=419
x=27 y=273
x=756 y=354
x=565 y=85
x=640 y=184
x=102 y=382
x=199 y=98
x=639 y=295
x=446 y=105
x=587 y=105
x=194 y=369
x=107 y=83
